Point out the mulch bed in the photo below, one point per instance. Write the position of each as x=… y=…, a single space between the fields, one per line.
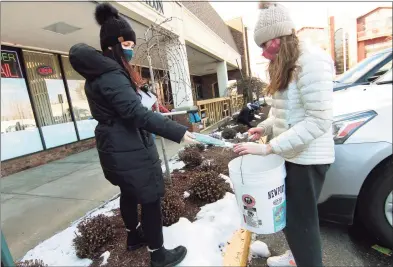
x=181 y=181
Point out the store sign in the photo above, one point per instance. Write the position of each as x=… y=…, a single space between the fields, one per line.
x=10 y=65
x=45 y=70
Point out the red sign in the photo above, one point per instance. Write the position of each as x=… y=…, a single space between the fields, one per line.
x=45 y=70
x=10 y=66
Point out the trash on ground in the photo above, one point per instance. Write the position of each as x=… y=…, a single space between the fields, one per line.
x=386 y=251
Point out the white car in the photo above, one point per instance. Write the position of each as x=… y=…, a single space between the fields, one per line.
x=359 y=184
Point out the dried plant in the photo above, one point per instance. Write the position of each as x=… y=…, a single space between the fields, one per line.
x=191 y=157
x=228 y=133
x=31 y=263
x=172 y=207
x=209 y=186
x=93 y=234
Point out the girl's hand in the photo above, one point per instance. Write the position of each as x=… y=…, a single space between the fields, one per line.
x=257 y=133
x=253 y=149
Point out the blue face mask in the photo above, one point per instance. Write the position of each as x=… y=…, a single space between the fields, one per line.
x=128 y=53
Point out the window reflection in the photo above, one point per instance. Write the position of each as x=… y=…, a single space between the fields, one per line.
x=49 y=98
x=19 y=132
x=76 y=86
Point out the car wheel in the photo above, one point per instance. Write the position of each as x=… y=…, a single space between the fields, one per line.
x=375 y=203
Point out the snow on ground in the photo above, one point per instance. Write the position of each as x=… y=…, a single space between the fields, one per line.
x=174 y=164
x=259 y=249
x=105 y=256
x=215 y=225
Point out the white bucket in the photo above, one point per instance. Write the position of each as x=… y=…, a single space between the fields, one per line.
x=259 y=185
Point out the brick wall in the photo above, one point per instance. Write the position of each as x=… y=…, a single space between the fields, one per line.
x=208 y=15
x=241 y=45
x=26 y=162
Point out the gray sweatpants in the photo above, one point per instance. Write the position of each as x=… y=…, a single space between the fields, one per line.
x=303 y=187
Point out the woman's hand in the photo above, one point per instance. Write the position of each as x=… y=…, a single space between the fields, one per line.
x=189 y=138
x=256 y=133
x=253 y=149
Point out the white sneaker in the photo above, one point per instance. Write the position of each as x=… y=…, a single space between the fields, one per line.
x=281 y=261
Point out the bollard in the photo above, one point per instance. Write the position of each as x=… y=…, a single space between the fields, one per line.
x=6 y=258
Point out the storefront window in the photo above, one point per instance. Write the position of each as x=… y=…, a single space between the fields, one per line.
x=49 y=98
x=76 y=85
x=19 y=132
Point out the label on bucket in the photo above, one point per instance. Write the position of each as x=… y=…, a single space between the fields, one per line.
x=248 y=201
x=279 y=216
x=251 y=217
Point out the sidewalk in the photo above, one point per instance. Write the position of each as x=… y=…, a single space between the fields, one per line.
x=39 y=202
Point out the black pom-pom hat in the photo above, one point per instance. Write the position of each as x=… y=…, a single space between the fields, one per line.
x=114 y=28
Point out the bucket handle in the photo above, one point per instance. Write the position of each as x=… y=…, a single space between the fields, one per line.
x=241 y=169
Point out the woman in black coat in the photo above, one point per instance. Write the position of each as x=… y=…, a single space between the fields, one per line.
x=127 y=152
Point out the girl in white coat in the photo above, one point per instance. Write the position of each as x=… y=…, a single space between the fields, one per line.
x=301 y=85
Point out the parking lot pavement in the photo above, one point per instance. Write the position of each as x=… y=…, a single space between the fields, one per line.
x=342 y=246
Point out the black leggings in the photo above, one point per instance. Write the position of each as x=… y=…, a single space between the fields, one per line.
x=303 y=187
x=151 y=218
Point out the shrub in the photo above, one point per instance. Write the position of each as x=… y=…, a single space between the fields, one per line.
x=213 y=165
x=215 y=135
x=199 y=147
x=172 y=207
x=191 y=157
x=209 y=186
x=228 y=133
x=31 y=263
x=93 y=234
x=241 y=128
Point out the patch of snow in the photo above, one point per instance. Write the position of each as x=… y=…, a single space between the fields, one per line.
x=239 y=135
x=173 y=165
x=259 y=249
x=186 y=194
x=214 y=226
x=105 y=257
x=232 y=126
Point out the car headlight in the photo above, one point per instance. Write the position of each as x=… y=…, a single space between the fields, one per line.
x=345 y=125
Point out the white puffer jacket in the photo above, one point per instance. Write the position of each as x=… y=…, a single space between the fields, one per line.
x=301 y=116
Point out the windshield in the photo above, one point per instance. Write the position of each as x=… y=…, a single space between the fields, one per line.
x=361 y=68
x=387 y=77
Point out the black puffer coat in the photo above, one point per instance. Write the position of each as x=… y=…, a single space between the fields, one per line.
x=127 y=152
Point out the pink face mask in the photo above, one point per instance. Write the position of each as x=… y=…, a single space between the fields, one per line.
x=272 y=50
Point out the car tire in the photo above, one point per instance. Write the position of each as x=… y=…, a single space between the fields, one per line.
x=371 y=205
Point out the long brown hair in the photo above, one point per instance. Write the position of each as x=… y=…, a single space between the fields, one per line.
x=283 y=68
x=116 y=53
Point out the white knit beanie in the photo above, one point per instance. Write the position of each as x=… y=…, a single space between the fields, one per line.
x=273 y=22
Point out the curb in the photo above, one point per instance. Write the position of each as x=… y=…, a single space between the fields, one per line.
x=237 y=249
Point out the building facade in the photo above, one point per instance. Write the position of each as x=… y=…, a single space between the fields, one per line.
x=374 y=32
x=44 y=111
